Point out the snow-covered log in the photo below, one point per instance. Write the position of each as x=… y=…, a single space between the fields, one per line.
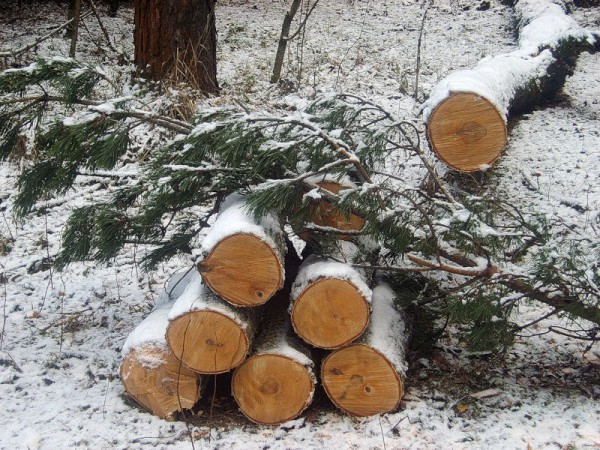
x=330 y=303
x=206 y=333
x=242 y=259
x=327 y=217
x=467 y=111
x=277 y=382
x=151 y=374
x=366 y=377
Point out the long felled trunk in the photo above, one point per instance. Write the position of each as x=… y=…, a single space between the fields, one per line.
x=366 y=377
x=467 y=112
x=177 y=38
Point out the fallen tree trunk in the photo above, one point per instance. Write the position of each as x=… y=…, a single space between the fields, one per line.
x=366 y=377
x=207 y=334
x=242 y=259
x=467 y=112
x=151 y=374
x=330 y=303
x=277 y=382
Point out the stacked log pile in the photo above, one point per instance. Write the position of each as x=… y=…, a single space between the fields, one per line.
x=250 y=306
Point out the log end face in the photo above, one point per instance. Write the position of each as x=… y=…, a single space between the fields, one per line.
x=467 y=132
x=272 y=389
x=361 y=381
x=330 y=313
x=155 y=379
x=328 y=216
x=243 y=270
x=207 y=341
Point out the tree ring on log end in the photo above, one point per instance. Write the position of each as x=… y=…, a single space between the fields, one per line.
x=330 y=313
x=207 y=341
x=154 y=378
x=467 y=132
x=272 y=389
x=361 y=381
x=243 y=270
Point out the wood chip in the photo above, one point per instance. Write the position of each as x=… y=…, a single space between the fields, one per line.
x=485 y=394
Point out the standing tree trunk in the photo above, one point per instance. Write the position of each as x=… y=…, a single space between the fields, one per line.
x=177 y=39
x=283 y=40
x=113 y=6
x=73 y=28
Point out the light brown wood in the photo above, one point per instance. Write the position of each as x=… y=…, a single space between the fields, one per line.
x=467 y=132
x=155 y=379
x=327 y=215
x=330 y=313
x=361 y=381
x=243 y=270
x=272 y=389
x=208 y=341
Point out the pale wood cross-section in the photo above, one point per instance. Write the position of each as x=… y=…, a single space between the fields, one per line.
x=467 y=132
x=208 y=341
x=327 y=215
x=164 y=386
x=272 y=389
x=243 y=269
x=330 y=313
x=361 y=381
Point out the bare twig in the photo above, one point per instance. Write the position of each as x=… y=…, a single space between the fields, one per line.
x=38 y=41
x=102 y=27
x=418 y=65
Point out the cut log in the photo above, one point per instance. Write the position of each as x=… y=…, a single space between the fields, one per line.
x=151 y=374
x=467 y=112
x=206 y=333
x=242 y=259
x=277 y=382
x=330 y=303
x=326 y=216
x=366 y=378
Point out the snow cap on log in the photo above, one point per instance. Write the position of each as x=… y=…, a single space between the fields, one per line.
x=241 y=258
x=206 y=333
x=365 y=378
x=330 y=303
x=467 y=111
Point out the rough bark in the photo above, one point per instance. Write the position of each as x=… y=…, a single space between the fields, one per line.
x=177 y=38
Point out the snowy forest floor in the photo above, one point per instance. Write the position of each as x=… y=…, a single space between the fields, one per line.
x=63 y=332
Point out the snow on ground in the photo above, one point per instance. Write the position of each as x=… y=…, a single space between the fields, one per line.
x=63 y=332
